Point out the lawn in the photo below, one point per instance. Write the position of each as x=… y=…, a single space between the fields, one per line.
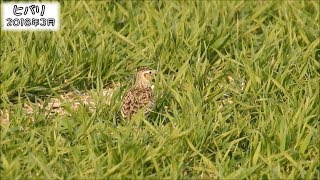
x=237 y=92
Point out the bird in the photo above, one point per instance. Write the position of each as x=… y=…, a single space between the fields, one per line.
x=141 y=95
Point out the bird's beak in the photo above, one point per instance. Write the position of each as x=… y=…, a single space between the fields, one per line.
x=154 y=72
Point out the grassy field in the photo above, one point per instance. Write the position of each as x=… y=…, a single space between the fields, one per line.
x=237 y=92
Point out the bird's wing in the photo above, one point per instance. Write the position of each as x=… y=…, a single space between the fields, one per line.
x=136 y=99
x=127 y=103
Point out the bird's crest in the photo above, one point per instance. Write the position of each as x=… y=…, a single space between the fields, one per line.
x=143 y=68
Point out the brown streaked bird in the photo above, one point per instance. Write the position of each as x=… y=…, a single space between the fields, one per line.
x=140 y=95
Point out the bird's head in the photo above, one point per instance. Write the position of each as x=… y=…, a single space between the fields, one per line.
x=144 y=76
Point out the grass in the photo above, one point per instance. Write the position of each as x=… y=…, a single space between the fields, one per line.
x=237 y=88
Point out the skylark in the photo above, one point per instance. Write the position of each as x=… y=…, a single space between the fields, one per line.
x=141 y=95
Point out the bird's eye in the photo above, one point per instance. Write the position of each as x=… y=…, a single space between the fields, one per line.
x=150 y=72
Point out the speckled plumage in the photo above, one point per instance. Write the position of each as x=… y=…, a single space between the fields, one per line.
x=140 y=95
